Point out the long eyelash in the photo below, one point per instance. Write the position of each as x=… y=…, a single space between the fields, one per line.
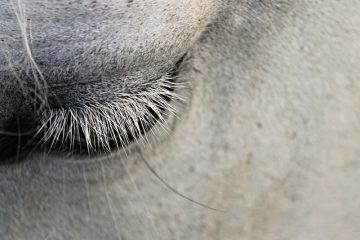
x=99 y=126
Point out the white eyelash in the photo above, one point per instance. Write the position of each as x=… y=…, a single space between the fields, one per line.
x=104 y=124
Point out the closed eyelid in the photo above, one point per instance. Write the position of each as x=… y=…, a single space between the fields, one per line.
x=95 y=122
x=101 y=126
x=87 y=69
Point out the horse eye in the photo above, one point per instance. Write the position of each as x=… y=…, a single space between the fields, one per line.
x=100 y=126
x=92 y=123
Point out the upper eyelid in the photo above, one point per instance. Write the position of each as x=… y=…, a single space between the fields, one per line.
x=103 y=90
x=104 y=120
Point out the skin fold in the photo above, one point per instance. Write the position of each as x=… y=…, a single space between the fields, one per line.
x=267 y=133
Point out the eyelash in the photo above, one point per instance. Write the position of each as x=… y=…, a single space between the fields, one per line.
x=100 y=127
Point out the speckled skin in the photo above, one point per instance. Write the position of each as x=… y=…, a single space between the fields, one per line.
x=269 y=135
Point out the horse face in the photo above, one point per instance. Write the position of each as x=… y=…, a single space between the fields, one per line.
x=264 y=145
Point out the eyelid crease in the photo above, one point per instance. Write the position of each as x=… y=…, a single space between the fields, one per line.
x=100 y=126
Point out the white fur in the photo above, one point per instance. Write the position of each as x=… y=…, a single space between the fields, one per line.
x=270 y=134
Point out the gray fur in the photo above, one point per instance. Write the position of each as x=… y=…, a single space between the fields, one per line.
x=269 y=134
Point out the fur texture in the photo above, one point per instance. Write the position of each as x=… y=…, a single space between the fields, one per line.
x=269 y=135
